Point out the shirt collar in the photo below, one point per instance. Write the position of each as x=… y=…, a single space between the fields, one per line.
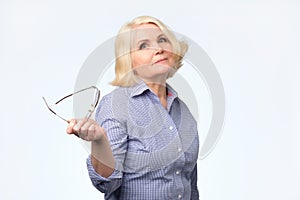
x=171 y=91
x=141 y=87
x=138 y=88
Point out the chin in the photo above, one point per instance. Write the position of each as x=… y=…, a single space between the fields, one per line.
x=162 y=68
x=155 y=72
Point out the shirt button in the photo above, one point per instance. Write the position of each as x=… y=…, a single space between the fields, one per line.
x=179 y=196
x=177 y=172
x=179 y=149
x=171 y=127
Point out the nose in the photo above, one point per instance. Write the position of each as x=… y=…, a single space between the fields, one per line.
x=157 y=49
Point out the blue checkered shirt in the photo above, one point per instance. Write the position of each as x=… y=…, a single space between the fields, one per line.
x=155 y=149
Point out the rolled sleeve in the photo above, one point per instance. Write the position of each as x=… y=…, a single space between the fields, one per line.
x=105 y=185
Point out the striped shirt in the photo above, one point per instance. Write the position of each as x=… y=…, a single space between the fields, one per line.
x=155 y=149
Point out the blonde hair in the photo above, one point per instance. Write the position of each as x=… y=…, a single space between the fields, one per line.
x=124 y=75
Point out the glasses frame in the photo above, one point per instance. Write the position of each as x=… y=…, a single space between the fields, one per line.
x=90 y=111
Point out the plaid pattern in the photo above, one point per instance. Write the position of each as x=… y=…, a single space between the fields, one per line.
x=155 y=149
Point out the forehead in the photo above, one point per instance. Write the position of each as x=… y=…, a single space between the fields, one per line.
x=145 y=31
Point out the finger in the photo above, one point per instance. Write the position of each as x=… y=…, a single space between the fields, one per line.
x=71 y=125
x=78 y=126
x=90 y=132
x=87 y=128
x=95 y=133
x=91 y=129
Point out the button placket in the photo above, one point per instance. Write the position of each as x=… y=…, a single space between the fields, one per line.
x=179 y=149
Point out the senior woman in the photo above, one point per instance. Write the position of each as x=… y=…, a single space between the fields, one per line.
x=144 y=138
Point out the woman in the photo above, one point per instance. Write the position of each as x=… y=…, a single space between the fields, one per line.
x=144 y=140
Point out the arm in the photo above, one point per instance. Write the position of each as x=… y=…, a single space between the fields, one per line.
x=102 y=157
x=89 y=130
x=109 y=145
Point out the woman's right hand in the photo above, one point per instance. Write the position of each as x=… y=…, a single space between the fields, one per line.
x=88 y=130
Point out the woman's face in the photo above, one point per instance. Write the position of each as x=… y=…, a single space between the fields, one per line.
x=151 y=53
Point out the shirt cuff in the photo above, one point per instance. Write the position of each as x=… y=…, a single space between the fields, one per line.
x=94 y=175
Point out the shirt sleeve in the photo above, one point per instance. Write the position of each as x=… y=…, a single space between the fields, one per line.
x=105 y=185
x=117 y=136
x=194 y=187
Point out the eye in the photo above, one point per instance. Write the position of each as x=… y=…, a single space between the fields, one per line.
x=163 y=39
x=143 y=46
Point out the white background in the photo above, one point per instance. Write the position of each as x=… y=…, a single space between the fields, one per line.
x=253 y=44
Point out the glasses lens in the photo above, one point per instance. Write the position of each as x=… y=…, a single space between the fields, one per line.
x=96 y=97
x=85 y=102
x=82 y=102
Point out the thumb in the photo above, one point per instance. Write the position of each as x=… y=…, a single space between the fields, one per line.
x=71 y=124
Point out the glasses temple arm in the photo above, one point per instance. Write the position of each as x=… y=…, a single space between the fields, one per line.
x=77 y=92
x=54 y=112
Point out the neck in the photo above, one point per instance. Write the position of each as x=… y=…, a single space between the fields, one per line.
x=161 y=92
x=159 y=89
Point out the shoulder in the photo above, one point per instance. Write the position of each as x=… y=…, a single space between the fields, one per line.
x=117 y=97
x=182 y=103
x=113 y=103
x=185 y=110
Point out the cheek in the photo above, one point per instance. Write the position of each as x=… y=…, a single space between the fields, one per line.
x=139 y=58
x=169 y=51
x=171 y=56
x=134 y=59
x=167 y=47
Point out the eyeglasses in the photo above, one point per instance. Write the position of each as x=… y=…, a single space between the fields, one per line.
x=90 y=111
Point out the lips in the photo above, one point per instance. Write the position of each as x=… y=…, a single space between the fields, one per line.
x=160 y=60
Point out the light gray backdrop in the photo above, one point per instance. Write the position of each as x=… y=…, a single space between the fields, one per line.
x=253 y=44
